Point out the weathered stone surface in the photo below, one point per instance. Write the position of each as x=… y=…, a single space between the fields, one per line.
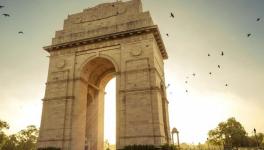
x=109 y=40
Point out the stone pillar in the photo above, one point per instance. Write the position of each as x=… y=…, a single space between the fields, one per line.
x=55 y=129
x=143 y=110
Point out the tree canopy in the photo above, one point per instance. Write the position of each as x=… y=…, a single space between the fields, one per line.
x=23 y=140
x=232 y=133
x=3 y=136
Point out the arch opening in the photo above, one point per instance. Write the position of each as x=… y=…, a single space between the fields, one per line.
x=110 y=115
x=97 y=73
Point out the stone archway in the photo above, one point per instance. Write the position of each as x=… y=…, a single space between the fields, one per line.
x=95 y=75
x=93 y=47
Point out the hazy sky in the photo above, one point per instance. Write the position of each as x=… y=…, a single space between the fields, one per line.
x=199 y=27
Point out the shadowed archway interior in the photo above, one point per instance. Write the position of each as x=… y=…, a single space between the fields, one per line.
x=97 y=73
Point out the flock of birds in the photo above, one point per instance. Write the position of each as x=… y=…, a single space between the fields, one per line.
x=8 y=15
x=209 y=55
x=167 y=34
x=210 y=73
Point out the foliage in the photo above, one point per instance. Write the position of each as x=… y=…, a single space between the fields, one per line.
x=3 y=136
x=232 y=133
x=24 y=140
x=256 y=140
x=106 y=144
x=27 y=138
x=11 y=143
x=228 y=133
x=3 y=125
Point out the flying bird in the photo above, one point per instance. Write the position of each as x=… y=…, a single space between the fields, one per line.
x=167 y=34
x=172 y=15
x=210 y=73
x=6 y=15
x=249 y=34
x=167 y=86
x=219 y=66
x=226 y=84
x=222 y=53
x=208 y=55
x=20 y=32
x=258 y=19
x=1 y=6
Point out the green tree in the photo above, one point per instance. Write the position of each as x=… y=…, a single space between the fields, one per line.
x=260 y=138
x=253 y=140
x=230 y=133
x=262 y=141
x=3 y=125
x=23 y=140
x=3 y=136
x=11 y=143
x=27 y=138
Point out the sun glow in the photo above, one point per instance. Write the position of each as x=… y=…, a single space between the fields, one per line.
x=192 y=113
x=110 y=112
x=196 y=112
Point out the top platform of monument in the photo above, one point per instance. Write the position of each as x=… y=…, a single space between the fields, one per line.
x=106 y=21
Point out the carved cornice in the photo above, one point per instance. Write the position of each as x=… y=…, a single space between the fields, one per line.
x=151 y=29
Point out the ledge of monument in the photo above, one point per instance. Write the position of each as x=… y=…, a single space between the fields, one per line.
x=84 y=30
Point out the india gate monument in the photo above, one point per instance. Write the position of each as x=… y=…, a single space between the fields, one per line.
x=109 y=40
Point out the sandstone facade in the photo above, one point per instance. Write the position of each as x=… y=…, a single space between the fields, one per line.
x=109 y=40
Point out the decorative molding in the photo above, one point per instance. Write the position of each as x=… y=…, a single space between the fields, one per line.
x=151 y=29
x=154 y=88
x=58 y=98
x=136 y=52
